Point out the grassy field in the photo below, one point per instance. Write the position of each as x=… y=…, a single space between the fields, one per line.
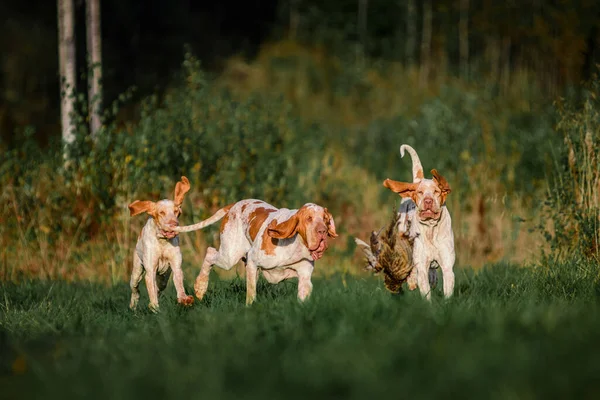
x=509 y=332
x=289 y=128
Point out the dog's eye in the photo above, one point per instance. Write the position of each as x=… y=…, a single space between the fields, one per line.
x=162 y=213
x=420 y=192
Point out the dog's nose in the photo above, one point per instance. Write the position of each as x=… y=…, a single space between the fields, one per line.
x=173 y=222
x=428 y=202
x=321 y=230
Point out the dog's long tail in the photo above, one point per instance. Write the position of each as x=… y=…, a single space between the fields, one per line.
x=417 y=168
x=203 y=224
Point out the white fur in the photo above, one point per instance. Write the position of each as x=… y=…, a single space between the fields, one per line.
x=432 y=242
x=433 y=237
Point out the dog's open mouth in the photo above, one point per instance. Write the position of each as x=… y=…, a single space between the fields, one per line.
x=428 y=214
x=167 y=234
x=317 y=252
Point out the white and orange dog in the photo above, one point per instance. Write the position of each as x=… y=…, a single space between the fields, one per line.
x=281 y=243
x=157 y=251
x=425 y=218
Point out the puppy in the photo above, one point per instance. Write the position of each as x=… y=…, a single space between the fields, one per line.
x=157 y=251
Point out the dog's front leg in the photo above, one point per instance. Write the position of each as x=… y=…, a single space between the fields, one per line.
x=304 y=269
x=182 y=297
x=447 y=259
x=151 y=265
x=412 y=279
x=421 y=264
x=136 y=277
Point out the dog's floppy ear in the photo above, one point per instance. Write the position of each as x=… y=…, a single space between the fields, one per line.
x=284 y=230
x=138 y=207
x=404 y=189
x=181 y=188
x=441 y=181
x=442 y=184
x=330 y=224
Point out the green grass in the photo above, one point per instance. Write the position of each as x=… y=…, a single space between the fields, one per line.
x=509 y=332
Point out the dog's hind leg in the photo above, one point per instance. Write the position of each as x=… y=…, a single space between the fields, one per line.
x=251 y=280
x=224 y=260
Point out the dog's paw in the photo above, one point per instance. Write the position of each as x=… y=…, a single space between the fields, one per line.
x=186 y=301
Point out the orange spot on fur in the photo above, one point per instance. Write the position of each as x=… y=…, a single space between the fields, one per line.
x=268 y=243
x=256 y=219
x=226 y=217
x=224 y=222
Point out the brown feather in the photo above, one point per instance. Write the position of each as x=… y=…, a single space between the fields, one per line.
x=393 y=252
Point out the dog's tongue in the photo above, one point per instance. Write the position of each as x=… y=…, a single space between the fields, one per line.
x=169 y=234
x=318 y=252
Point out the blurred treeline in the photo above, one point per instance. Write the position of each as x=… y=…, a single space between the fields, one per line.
x=301 y=101
x=143 y=42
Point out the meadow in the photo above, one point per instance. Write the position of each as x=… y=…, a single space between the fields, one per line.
x=509 y=332
x=291 y=126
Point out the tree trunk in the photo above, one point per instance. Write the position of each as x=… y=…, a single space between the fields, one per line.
x=66 y=55
x=411 y=32
x=463 y=32
x=426 y=43
x=94 y=46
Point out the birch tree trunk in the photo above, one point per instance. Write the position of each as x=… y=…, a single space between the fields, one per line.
x=426 y=43
x=94 y=47
x=66 y=57
x=463 y=32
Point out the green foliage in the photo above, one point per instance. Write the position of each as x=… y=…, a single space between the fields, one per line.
x=457 y=128
x=308 y=130
x=497 y=338
x=237 y=148
x=574 y=201
x=229 y=149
